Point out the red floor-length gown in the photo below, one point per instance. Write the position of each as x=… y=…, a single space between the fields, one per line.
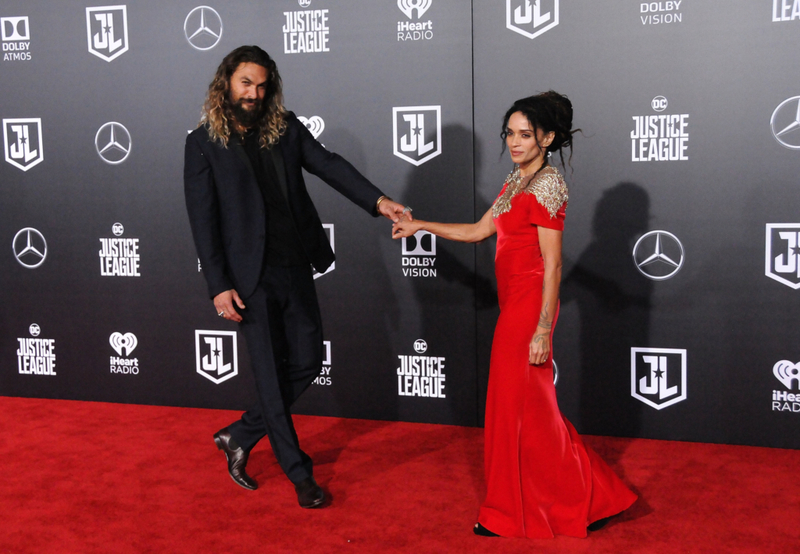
x=541 y=479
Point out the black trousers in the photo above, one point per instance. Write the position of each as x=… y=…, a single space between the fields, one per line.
x=283 y=330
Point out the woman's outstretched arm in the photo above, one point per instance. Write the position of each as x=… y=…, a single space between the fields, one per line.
x=461 y=232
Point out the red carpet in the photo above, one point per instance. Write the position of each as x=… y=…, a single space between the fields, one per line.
x=97 y=477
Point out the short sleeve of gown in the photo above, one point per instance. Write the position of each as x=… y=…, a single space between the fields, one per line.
x=548 y=201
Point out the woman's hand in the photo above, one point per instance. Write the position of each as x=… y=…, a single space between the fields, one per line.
x=406 y=228
x=539 y=349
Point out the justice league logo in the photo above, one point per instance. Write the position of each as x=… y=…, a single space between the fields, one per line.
x=782 y=261
x=417 y=133
x=216 y=354
x=531 y=19
x=785 y=10
x=658 y=376
x=107 y=31
x=22 y=139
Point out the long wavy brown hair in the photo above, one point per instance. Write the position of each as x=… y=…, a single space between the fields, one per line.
x=217 y=110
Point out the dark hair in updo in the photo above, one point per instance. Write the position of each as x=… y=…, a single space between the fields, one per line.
x=548 y=111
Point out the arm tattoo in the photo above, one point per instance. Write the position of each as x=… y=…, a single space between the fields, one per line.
x=543 y=322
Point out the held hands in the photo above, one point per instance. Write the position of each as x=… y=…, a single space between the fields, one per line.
x=393 y=210
x=539 y=349
x=406 y=227
x=223 y=302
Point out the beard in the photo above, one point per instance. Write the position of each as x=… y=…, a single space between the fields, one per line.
x=247 y=112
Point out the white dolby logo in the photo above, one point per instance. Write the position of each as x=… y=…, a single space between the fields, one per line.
x=329 y=231
x=23 y=142
x=107 y=31
x=113 y=143
x=315 y=124
x=417 y=133
x=203 y=28
x=782 y=261
x=15 y=28
x=658 y=255
x=30 y=248
x=531 y=19
x=785 y=123
x=409 y=6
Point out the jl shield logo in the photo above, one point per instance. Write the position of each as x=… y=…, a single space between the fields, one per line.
x=216 y=354
x=785 y=123
x=113 y=143
x=315 y=124
x=658 y=376
x=30 y=248
x=329 y=231
x=107 y=31
x=203 y=28
x=409 y=6
x=23 y=142
x=123 y=344
x=782 y=261
x=531 y=18
x=417 y=133
x=658 y=255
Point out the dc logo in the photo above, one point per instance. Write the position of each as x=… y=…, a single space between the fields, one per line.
x=420 y=346
x=531 y=19
x=408 y=7
x=23 y=142
x=782 y=261
x=787 y=373
x=421 y=243
x=328 y=231
x=34 y=330
x=107 y=31
x=658 y=255
x=304 y=3
x=216 y=354
x=417 y=133
x=203 y=28
x=315 y=124
x=659 y=103
x=15 y=28
x=117 y=229
x=113 y=143
x=30 y=248
x=123 y=345
x=658 y=376
x=785 y=123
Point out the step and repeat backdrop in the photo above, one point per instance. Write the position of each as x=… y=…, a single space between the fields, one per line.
x=682 y=242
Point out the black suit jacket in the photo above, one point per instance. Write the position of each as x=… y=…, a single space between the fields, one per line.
x=226 y=206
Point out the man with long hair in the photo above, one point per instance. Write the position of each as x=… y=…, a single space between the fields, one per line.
x=258 y=235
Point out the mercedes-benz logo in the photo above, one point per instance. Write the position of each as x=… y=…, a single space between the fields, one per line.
x=785 y=123
x=113 y=143
x=34 y=329
x=203 y=28
x=117 y=229
x=658 y=255
x=420 y=346
x=30 y=248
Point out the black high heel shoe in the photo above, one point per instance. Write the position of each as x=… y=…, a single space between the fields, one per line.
x=483 y=531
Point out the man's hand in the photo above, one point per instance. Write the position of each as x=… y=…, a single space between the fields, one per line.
x=223 y=302
x=393 y=210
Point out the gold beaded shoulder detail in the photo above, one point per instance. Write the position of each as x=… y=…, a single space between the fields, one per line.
x=548 y=187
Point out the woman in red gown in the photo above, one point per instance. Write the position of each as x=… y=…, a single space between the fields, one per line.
x=541 y=479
